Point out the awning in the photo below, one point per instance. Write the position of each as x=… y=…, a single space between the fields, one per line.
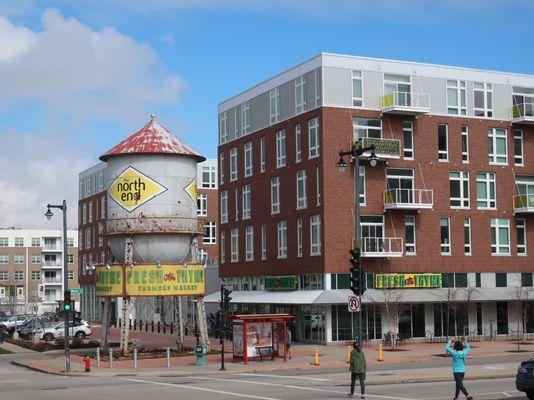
x=375 y=296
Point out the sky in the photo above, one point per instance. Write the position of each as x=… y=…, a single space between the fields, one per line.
x=76 y=77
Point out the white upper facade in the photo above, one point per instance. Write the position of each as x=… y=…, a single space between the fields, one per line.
x=35 y=237
x=207 y=174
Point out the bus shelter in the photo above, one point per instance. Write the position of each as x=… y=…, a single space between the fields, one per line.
x=256 y=336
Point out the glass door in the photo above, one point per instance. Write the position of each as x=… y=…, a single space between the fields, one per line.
x=400 y=183
x=400 y=87
x=372 y=233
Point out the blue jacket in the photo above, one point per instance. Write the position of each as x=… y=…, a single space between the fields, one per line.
x=458 y=357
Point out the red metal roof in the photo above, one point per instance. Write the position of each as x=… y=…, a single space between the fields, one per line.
x=153 y=138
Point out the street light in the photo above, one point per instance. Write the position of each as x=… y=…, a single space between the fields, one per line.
x=355 y=152
x=49 y=214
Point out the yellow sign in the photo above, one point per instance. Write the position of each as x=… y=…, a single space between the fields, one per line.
x=109 y=281
x=403 y=281
x=191 y=190
x=165 y=280
x=133 y=188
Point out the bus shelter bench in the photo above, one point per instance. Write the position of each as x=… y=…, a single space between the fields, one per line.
x=265 y=351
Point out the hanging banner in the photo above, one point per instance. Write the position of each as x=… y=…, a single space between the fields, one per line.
x=406 y=281
x=109 y=281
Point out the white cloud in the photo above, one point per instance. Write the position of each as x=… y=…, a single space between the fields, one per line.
x=75 y=76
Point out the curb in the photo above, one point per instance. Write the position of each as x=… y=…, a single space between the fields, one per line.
x=38 y=369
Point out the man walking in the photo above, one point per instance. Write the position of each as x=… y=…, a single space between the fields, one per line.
x=358 y=367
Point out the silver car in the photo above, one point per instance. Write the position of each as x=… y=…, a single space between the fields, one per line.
x=79 y=330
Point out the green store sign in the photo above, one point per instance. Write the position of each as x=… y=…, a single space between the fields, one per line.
x=280 y=283
x=406 y=281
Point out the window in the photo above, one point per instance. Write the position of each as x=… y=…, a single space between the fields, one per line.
x=280 y=149
x=4 y=242
x=80 y=239
x=4 y=275
x=233 y=164
x=245 y=118
x=500 y=236
x=409 y=226
x=19 y=275
x=467 y=236
x=521 y=227
x=84 y=213
x=486 y=197
x=318 y=87
x=299 y=237
x=282 y=239
x=234 y=245
x=264 y=242
x=70 y=259
x=518 y=147
x=102 y=210
x=362 y=185
x=70 y=275
x=399 y=87
x=4 y=258
x=318 y=184
x=246 y=201
x=90 y=212
x=223 y=247
x=19 y=242
x=459 y=188
x=223 y=127
x=357 y=89
x=371 y=128
x=36 y=242
x=302 y=195
x=18 y=258
x=300 y=94
x=275 y=195
x=407 y=139
x=36 y=275
x=526 y=279
x=248 y=159
x=456 y=98
x=445 y=236
x=249 y=243
x=313 y=138
x=209 y=233
x=315 y=235
x=274 y=105
x=88 y=238
x=262 y=154
x=497 y=146
x=443 y=143
x=236 y=198
x=224 y=207
x=209 y=180
x=221 y=168
x=36 y=259
x=298 y=144
x=236 y=125
x=202 y=204
x=483 y=99
x=478 y=280
x=465 y=144
x=501 y=279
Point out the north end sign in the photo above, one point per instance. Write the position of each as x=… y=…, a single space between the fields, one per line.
x=404 y=281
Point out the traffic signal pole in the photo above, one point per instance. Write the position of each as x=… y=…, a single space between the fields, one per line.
x=66 y=285
x=221 y=328
x=357 y=237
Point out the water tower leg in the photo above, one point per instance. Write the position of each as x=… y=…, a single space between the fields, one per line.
x=125 y=325
x=105 y=323
x=179 y=322
x=202 y=322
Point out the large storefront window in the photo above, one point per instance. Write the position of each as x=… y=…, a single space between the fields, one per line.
x=450 y=319
x=345 y=323
x=313 y=323
x=412 y=321
x=502 y=318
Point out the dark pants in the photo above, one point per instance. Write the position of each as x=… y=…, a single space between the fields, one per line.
x=459 y=379
x=361 y=377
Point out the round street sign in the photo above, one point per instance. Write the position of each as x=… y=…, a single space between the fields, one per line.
x=354 y=304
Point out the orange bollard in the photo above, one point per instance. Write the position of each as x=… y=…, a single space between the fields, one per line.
x=380 y=355
x=316 y=357
x=348 y=355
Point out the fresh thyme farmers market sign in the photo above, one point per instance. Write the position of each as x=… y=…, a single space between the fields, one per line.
x=402 y=281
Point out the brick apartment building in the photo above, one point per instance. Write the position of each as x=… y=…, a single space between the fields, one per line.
x=452 y=195
x=29 y=258
x=94 y=249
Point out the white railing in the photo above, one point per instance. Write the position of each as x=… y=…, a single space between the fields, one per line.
x=409 y=198
x=52 y=280
x=406 y=100
x=524 y=201
x=381 y=247
x=52 y=264
x=51 y=247
x=523 y=110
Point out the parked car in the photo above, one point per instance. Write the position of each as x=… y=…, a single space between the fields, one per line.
x=524 y=380
x=31 y=327
x=79 y=330
x=9 y=323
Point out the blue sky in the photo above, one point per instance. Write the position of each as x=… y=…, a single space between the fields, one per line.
x=82 y=75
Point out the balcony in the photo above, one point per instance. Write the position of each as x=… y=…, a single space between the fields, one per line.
x=404 y=103
x=52 y=264
x=381 y=247
x=53 y=280
x=408 y=199
x=384 y=148
x=52 y=247
x=524 y=203
x=523 y=114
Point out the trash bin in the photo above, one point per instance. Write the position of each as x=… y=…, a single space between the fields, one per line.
x=200 y=353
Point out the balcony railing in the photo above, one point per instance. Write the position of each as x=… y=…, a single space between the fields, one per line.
x=405 y=103
x=524 y=203
x=384 y=148
x=381 y=247
x=523 y=113
x=143 y=224
x=52 y=247
x=408 y=199
x=52 y=264
x=53 y=280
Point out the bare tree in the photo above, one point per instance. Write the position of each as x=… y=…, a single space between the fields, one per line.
x=469 y=292
x=521 y=301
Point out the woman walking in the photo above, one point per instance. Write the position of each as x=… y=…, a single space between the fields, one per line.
x=358 y=367
x=459 y=354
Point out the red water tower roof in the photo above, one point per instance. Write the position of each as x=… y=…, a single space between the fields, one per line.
x=153 y=138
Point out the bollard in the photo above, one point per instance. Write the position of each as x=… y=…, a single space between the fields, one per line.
x=135 y=324
x=349 y=349
x=130 y=324
x=380 y=354
x=152 y=326
x=135 y=358
x=110 y=358
x=172 y=326
x=146 y=326
x=87 y=363
x=159 y=327
x=164 y=329
x=316 y=357
x=98 y=357
x=168 y=357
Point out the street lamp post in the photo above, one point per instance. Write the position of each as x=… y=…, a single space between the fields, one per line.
x=49 y=215
x=355 y=152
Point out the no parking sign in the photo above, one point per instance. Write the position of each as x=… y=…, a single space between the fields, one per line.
x=354 y=304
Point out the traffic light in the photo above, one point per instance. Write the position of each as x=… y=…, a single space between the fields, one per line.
x=67 y=304
x=356 y=273
x=226 y=299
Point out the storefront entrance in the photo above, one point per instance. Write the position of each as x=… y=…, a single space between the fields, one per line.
x=313 y=324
